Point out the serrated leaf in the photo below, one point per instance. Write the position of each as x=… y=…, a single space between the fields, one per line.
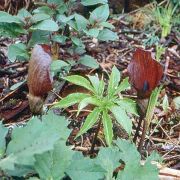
x=107 y=125
x=46 y=25
x=52 y=164
x=86 y=101
x=113 y=81
x=80 y=81
x=71 y=99
x=91 y=119
x=129 y=105
x=122 y=118
x=3 y=133
x=17 y=51
x=100 y=14
x=35 y=138
x=107 y=35
x=123 y=85
x=108 y=158
x=93 y=2
x=84 y=168
x=89 y=61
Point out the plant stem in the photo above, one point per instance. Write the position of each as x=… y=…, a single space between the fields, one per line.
x=137 y=129
x=142 y=136
x=95 y=137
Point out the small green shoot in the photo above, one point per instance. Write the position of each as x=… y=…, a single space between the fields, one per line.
x=105 y=101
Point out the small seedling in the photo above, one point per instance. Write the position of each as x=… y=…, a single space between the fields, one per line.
x=106 y=103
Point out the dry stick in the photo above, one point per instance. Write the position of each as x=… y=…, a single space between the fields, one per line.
x=95 y=137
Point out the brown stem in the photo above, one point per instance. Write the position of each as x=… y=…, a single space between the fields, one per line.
x=95 y=137
x=142 y=136
x=137 y=129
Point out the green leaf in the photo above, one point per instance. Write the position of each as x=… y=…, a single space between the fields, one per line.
x=91 y=119
x=46 y=25
x=108 y=158
x=7 y=18
x=44 y=10
x=100 y=14
x=58 y=65
x=84 y=168
x=86 y=101
x=93 y=2
x=39 y=37
x=80 y=81
x=52 y=164
x=122 y=118
x=165 y=103
x=35 y=138
x=123 y=85
x=113 y=81
x=64 y=19
x=92 y=32
x=89 y=61
x=152 y=104
x=77 y=41
x=95 y=82
x=129 y=105
x=107 y=25
x=39 y=17
x=107 y=125
x=81 y=21
x=17 y=51
x=24 y=14
x=177 y=102
x=59 y=38
x=15 y=86
x=101 y=88
x=3 y=133
x=71 y=99
x=107 y=35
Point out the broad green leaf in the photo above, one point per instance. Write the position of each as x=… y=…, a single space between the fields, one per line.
x=11 y=30
x=58 y=65
x=107 y=35
x=46 y=25
x=107 y=25
x=39 y=17
x=93 y=2
x=24 y=14
x=108 y=158
x=107 y=125
x=87 y=101
x=89 y=61
x=113 y=81
x=59 y=38
x=52 y=164
x=129 y=105
x=123 y=85
x=56 y=2
x=64 y=19
x=122 y=118
x=17 y=51
x=81 y=21
x=85 y=168
x=91 y=119
x=39 y=37
x=70 y=100
x=7 y=18
x=80 y=81
x=92 y=32
x=100 y=14
x=177 y=102
x=35 y=138
x=44 y=10
x=77 y=41
x=3 y=133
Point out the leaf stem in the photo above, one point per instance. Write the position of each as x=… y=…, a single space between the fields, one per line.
x=95 y=137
